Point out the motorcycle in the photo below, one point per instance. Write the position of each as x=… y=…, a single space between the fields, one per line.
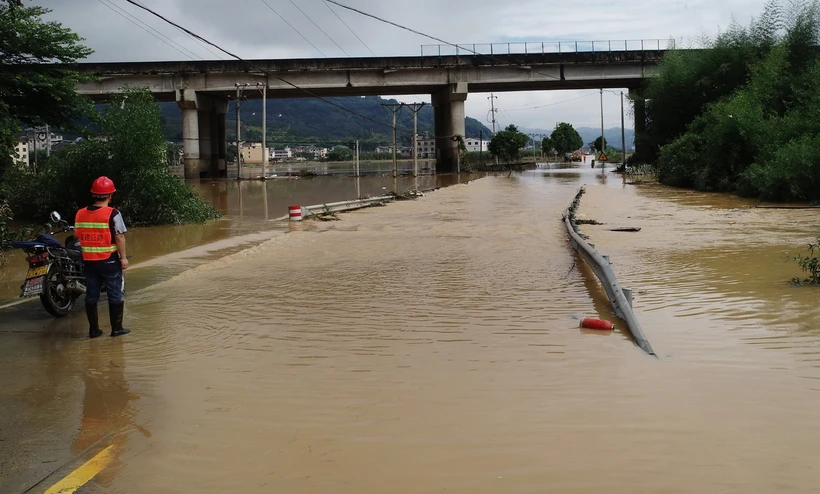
x=55 y=270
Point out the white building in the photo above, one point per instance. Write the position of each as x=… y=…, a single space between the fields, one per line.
x=474 y=145
x=21 y=154
x=281 y=154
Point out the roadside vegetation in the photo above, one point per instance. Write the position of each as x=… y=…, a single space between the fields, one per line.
x=741 y=116
x=132 y=152
x=130 y=147
x=564 y=139
x=809 y=264
x=506 y=144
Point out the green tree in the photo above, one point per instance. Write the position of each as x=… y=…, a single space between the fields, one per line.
x=507 y=144
x=33 y=90
x=340 y=153
x=597 y=144
x=565 y=138
x=547 y=145
x=134 y=155
x=754 y=135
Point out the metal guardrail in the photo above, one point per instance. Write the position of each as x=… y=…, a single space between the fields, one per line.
x=337 y=207
x=620 y=298
x=535 y=47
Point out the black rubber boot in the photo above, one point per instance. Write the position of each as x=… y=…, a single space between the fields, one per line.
x=115 y=310
x=93 y=321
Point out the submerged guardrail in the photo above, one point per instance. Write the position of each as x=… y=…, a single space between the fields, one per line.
x=620 y=298
x=338 y=207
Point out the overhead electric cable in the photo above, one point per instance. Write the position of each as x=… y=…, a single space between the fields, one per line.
x=138 y=4
x=319 y=28
x=250 y=64
x=434 y=38
x=348 y=27
x=292 y=27
x=527 y=107
x=148 y=29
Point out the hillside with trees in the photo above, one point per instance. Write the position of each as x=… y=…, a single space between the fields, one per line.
x=295 y=121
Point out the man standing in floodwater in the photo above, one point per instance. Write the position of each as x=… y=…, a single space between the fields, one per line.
x=101 y=232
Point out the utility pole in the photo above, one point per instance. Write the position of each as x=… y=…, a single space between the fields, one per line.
x=394 y=108
x=492 y=99
x=358 y=177
x=264 y=129
x=416 y=108
x=238 y=147
x=623 y=135
x=480 y=145
x=357 y=157
x=603 y=145
x=48 y=141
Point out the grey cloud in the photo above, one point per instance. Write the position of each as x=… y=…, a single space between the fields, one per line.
x=249 y=29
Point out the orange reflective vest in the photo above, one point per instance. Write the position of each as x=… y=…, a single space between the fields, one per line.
x=94 y=232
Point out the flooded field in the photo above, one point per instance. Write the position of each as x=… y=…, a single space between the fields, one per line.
x=434 y=346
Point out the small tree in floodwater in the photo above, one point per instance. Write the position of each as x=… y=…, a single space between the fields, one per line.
x=507 y=144
x=810 y=264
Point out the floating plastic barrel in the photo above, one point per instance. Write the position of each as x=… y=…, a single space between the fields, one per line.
x=295 y=213
x=600 y=324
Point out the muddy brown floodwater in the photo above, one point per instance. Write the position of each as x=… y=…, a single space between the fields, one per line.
x=433 y=346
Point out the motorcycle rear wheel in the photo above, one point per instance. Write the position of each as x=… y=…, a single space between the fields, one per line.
x=56 y=298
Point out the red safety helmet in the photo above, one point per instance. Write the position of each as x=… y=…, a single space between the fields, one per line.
x=103 y=186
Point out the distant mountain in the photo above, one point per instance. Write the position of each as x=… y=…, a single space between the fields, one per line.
x=303 y=120
x=589 y=134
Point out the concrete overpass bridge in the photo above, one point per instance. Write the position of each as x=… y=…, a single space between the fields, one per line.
x=202 y=88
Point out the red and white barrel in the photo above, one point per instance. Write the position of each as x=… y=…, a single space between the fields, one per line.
x=295 y=213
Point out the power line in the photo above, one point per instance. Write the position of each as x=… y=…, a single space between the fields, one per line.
x=135 y=21
x=307 y=91
x=292 y=27
x=348 y=27
x=551 y=104
x=193 y=38
x=434 y=38
x=319 y=28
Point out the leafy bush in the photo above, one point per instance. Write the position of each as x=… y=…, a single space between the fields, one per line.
x=810 y=264
x=134 y=155
x=742 y=116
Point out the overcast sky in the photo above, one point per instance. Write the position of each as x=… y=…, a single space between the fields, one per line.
x=118 y=31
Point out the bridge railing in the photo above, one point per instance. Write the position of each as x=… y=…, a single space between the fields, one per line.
x=534 y=47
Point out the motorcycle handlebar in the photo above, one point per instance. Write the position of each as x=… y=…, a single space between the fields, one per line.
x=68 y=228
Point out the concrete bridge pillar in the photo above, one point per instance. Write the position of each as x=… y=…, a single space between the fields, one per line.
x=220 y=143
x=205 y=114
x=188 y=102
x=203 y=133
x=449 y=113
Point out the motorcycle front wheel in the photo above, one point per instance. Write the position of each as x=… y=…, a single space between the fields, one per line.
x=56 y=298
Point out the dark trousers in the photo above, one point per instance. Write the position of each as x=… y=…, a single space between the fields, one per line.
x=103 y=273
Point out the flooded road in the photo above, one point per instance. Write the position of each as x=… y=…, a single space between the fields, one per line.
x=249 y=209
x=433 y=346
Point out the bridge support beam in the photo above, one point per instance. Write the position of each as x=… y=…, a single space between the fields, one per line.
x=203 y=133
x=220 y=145
x=188 y=102
x=449 y=114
